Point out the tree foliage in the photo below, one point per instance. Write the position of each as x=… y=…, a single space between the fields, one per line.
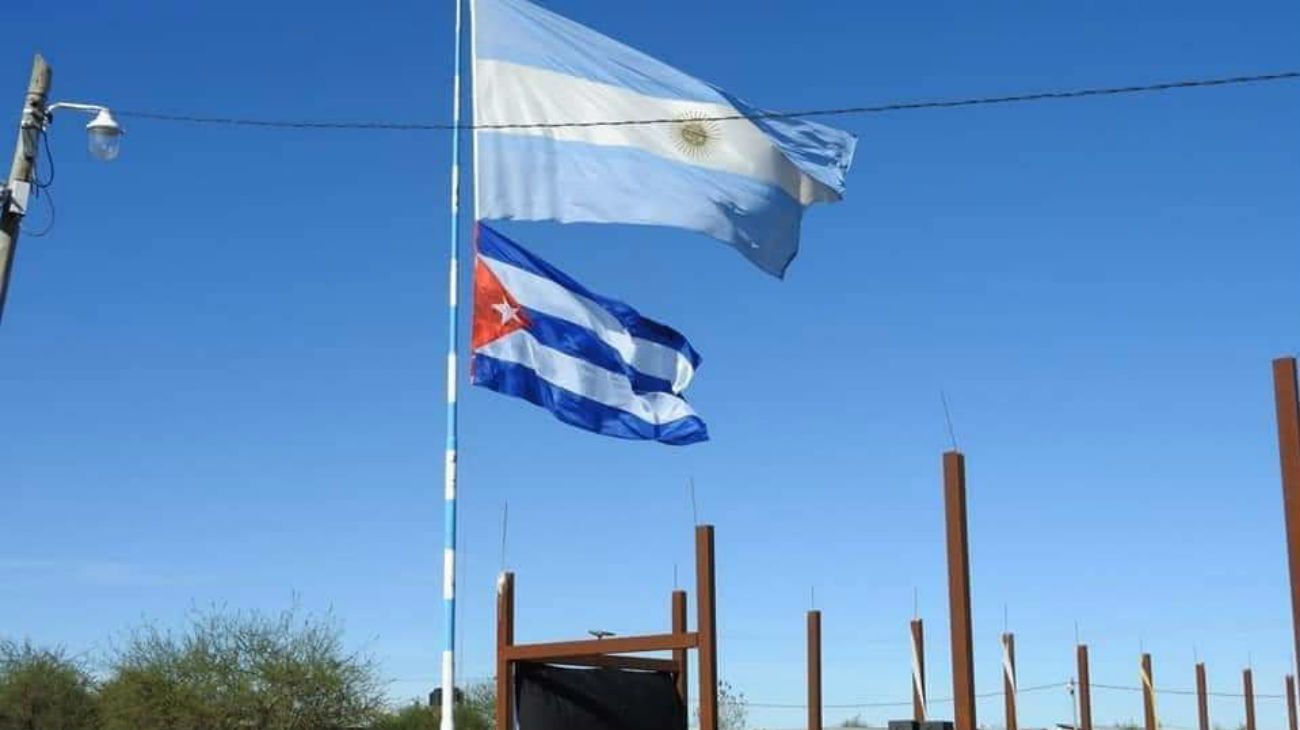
x=475 y=711
x=43 y=689
x=240 y=671
x=733 y=708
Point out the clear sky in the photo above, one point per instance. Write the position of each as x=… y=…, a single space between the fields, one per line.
x=221 y=373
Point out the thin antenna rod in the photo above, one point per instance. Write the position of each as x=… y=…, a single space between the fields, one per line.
x=916 y=602
x=505 y=526
x=947 y=416
x=695 y=507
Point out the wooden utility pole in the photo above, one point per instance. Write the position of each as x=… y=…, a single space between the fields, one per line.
x=963 y=650
x=23 y=167
x=1290 y=702
x=1009 y=679
x=1085 y=688
x=1149 y=694
x=814 y=670
x=918 y=670
x=1288 y=439
x=1248 y=692
x=1202 y=698
x=505 y=638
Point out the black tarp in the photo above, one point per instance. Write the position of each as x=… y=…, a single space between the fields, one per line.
x=559 y=698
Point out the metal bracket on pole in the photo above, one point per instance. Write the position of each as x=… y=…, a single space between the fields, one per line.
x=13 y=199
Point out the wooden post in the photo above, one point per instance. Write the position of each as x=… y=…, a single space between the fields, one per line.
x=707 y=627
x=1288 y=438
x=1202 y=698
x=1248 y=692
x=918 y=670
x=680 y=655
x=963 y=651
x=814 y=670
x=1009 y=679
x=1290 y=702
x=505 y=638
x=1085 y=688
x=23 y=166
x=1149 y=694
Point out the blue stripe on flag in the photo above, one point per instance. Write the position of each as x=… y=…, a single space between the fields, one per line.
x=537 y=178
x=493 y=245
x=575 y=410
x=580 y=342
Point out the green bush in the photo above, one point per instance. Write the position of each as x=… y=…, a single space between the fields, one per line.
x=43 y=689
x=240 y=671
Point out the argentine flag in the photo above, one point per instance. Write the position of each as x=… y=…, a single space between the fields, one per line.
x=592 y=361
x=744 y=180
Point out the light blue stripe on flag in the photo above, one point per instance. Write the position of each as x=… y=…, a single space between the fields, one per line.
x=743 y=181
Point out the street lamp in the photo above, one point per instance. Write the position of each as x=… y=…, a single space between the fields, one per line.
x=104 y=138
x=104 y=134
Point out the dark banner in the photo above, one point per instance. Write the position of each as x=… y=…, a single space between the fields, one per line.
x=556 y=698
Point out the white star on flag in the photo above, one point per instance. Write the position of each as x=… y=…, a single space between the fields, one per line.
x=507 y=312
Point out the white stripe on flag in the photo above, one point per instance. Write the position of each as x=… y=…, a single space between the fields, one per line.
x=512 y=93
x=545 y=296
x=584 y=379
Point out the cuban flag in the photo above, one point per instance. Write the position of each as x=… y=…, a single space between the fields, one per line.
x=711 y=163
x=593 y=362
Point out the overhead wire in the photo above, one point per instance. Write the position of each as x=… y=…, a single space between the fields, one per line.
x=800 y=114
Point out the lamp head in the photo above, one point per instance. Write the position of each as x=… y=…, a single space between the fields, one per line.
x=104 y=136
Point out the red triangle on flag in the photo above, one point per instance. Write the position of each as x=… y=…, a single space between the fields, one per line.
x=496 y=313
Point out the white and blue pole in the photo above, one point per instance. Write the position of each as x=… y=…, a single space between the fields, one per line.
x=449 y=464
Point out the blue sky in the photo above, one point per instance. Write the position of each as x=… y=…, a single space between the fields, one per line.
x=221 y=372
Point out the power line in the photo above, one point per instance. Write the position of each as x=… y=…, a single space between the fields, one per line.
x=901 y=703
x=830 y=112
x=1186 y=692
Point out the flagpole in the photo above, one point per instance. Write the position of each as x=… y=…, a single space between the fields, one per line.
x=449 y=464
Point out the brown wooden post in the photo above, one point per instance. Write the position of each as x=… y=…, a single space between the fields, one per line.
x=814 y=670
x=707 y=627
x=505 y=638
x=680 y=655
x=963 y=651
x=1149 y=694
x=1290 y=702
x=1288 y=438
x=918 y=670
x=1085 y=688
x=1009 y=679
x=1248 y=692
x=1202 y=698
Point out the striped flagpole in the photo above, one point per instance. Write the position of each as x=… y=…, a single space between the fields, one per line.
x=919 y=703
x=1009 y=687
x=1149 y=693
x=449 y=464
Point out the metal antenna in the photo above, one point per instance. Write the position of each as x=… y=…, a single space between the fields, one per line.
x=676 y=585
x=505 y=525
x=1077 y=641
x=916 y=602
x=695 y=508
x=947 y=415
x=1005 y=620
x=812 y=597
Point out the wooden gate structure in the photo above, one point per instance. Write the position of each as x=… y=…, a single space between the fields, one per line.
x=624 y=652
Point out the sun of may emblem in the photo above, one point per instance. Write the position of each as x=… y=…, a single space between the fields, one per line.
x=695 y=135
